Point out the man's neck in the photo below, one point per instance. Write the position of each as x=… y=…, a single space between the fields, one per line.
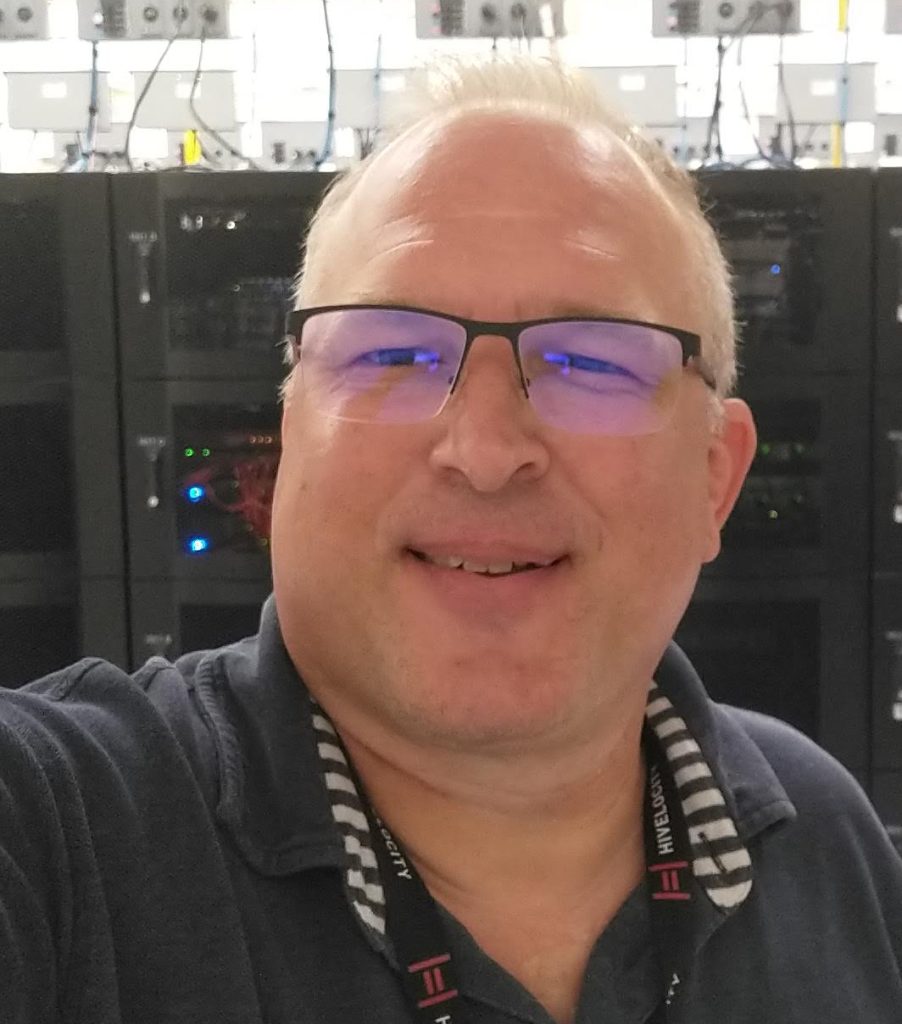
x=533 y=855
x=476 y=827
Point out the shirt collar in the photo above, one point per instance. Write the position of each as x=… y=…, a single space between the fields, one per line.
x=271 y=796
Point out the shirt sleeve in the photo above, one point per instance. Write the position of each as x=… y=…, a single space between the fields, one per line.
x=47 y=874
x=115 y=894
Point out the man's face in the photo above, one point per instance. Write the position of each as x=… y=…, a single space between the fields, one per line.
x=498 y=218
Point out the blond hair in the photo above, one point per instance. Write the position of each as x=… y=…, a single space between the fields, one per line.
x=547 y=90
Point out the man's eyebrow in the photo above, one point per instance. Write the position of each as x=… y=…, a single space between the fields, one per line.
x=589 y=312
x=562 y=309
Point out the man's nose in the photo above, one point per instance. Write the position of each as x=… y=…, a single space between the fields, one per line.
x=491 y=434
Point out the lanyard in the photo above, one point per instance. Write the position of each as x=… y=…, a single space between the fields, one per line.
x=419 y=937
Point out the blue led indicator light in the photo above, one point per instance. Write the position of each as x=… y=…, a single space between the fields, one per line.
x=196 y=494
x=198 y=544
x=776 y=269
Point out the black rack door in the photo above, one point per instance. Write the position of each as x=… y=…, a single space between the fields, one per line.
x=803 y=510
x=62 y=576
x=172 y=617
x=56 y=305
x=205 y=268
x=201 y=459
x=888 y=247
x=794 y=648
x=887 y=505
x=800 y=246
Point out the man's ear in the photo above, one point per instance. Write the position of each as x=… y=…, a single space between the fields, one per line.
x=730 y=453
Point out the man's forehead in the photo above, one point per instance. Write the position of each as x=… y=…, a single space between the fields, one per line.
x=511 y=169
x=491 y=160
x=469 y=193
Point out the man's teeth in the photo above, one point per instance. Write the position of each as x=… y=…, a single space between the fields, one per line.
x=491 y=569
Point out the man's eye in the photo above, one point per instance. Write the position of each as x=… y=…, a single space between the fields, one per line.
x=570 y=361
x=398 y=357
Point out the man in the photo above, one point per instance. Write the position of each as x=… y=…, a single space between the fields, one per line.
x=461 y=775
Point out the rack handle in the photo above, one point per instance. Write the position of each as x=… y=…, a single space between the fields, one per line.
x=896 y=234
x=895 y=641
x=157 y=643
x=895 y=439
x=144 y=242
x=152 y=446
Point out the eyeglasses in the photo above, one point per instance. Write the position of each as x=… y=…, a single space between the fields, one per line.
x=398 y=364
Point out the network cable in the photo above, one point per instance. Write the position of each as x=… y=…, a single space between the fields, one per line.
x=326 y=151
x=200 y=121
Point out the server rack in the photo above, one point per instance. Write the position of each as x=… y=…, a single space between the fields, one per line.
x=779 y=621
x=886 y=635
x=171 y=616
x=205 y=268
x=62 y=590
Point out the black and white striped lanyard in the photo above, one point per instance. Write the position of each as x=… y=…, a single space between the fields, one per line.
x=419 y=937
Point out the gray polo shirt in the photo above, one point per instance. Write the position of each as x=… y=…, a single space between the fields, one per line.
x=170 y=854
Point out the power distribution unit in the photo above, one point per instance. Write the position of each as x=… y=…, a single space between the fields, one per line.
x=725 y=17
x=24 y=19
x=103 y=19
x=189 y=19
x=153 y=19
x=496 y=19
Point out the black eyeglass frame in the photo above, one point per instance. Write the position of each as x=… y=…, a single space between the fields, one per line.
x=690 y=343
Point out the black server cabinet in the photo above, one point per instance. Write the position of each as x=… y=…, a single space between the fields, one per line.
x=801 y=249
x=206 y=266
x=56 y=304
x=177 y=615
x=62 y=578
x=887 y=708
x=804 y=509
x=201 y=458
x=779 y=622
x=796 y=649
x=887 y=504
x=886 y=634
x=888 y=244
x=887 y=666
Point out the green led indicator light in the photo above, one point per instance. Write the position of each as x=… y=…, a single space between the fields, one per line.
x=205 y=452
x=189 y=452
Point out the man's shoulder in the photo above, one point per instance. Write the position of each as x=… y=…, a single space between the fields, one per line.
x=808 y=773
x=92 y=718
x=826 y=798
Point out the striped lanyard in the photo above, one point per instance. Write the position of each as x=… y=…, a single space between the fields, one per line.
x=419 y=937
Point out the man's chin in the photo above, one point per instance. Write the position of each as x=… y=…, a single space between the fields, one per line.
x=488 y=715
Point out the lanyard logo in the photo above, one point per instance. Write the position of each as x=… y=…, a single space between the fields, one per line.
x=394 y=851
x=434 y=987
x=660 y=814
x=669 y=878
x=668 y=869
